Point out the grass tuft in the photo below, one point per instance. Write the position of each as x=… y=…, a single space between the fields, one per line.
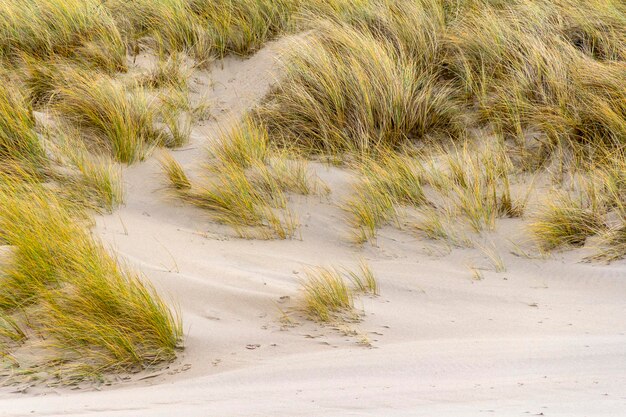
x=19 y=144
x=120 y=119
x=565 y=221
x=90 y=311
x=326 y=294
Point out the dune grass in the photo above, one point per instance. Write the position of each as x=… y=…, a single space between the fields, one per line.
x=171 y=71
x=89 y=311
x=364 y=280
x=542 y=85
x=253 y=205
x=176 y=176
x=243 y=26
x=92 y=178
x=166 y=25
x=328 y=297
x=77 y=29
x=19 y=144
x=565 y=221
x=365 y=81
x=244 y=145
x=385 y=184
x=347 y=90
x=326 y=294
x=477 y=185
x=121 y=119
x=245 y=183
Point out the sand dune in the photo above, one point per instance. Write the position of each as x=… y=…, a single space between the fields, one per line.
x=546 y=337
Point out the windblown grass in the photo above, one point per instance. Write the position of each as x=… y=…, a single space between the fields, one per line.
x=524 y=63
x=246 y=183
x=326 y=294
x=169 y=72
x=344 y=89
x=77 y=29
x=384 y=185
x=93 y=179
x=477 y=186
x=565 y=221
x=92 y=313
x=166 y=25
x=364 y=280
x=246 y=144
x=253 y=204
x=19 y=144
x=243 y=26
x=121 y=119
x=175 y=173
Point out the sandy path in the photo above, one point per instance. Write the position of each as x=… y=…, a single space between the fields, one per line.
x=547 y=337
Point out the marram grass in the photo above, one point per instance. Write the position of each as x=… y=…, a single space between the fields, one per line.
x=92 y=313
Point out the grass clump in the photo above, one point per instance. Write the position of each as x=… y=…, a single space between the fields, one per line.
x=19 y=144
x=167 y=25
x=364 y=280
x=243 y=26
x=92 y=313
x=78 y=29
x=477 y=186
x=385 y=184
x=612 y=243
x=326 y=294
x=246 y=183
x=344 y=89
x=245 y=145
x=253 y=205
x=93 y=179
x=565 y=221
x=242 y=202
x=120 y=119
x=170 y=72
x=176 y=176
x=523 y=64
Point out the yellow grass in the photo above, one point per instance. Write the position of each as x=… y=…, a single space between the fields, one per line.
x=90 y=310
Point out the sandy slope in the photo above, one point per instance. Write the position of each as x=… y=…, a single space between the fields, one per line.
x=547 y=337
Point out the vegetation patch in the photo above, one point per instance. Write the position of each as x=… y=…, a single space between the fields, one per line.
x=62 y=288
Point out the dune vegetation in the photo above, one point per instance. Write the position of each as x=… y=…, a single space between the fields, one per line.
x=446 y=113
x=329 y=295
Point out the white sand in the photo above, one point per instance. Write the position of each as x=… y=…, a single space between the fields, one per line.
x=547 y=337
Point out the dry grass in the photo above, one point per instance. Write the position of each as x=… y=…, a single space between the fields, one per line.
x=175 y=173
x=477 y=185
x=345 y=89
x=565 y=221
x=19 y=143
x=243 y=26
x=168 y=72
x=93 y=179
x=78 y=29
x=253 y=205
x=439 y=224
x=326 y=294
x=368 y=78
x=246 y=144
x=364 y=280
x=121 y=119
x=246 y=182
x=542 y=85
x=385 y=184
x=90 y=311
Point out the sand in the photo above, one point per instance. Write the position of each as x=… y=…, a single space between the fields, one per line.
x=546 y=337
